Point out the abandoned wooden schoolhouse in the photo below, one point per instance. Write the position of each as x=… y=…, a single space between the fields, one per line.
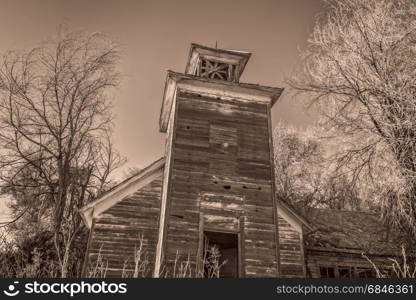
x=215 y=186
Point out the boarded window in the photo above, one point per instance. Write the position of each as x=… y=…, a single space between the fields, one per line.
x=223 y=148
x=224 y=135
x=220 y=255
x=327 y=272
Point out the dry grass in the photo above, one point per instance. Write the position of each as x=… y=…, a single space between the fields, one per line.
x=211 y=262
x=137 y=266
x=140 y=267
x=99 y=268
x=209 y=265
x=402 y=268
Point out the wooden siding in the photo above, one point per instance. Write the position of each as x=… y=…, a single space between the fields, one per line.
x=221 y=148
x=116 y=232
x=292 y=262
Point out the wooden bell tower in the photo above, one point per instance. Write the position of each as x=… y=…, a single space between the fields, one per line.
x=218 y=184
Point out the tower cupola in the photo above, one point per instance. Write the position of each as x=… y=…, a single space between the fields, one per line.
x=216 y=63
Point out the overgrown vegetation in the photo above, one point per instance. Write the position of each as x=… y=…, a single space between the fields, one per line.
x=137 y=264
x=307 y=174
x=403 y=267
x=358 y=71
x=56 y=150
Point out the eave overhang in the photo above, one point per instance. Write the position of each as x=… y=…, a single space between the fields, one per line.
x=245 y=92
x=290 y=214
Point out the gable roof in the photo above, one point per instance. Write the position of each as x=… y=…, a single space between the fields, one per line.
x=122 y=190
x=349 y=231
x=291 y=215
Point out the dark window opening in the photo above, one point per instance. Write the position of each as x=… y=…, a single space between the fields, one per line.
x=346 y=272
x=220 y=255
x=365 y=273
x=227 y=187
x=327 y=272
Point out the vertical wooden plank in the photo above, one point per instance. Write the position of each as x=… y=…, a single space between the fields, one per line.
x=198 y=68
x=302 y=252
x=236 y=71
x=335 y=270
x=201 y=246
x=241 y=245
x=273 y=183
x=164 y=211
x=87 y=251
x=230 y=74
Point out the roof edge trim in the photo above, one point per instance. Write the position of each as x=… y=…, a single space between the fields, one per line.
x=121 y=191
x=250 y=92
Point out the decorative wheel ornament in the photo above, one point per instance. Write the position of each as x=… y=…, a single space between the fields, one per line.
x=216 y=70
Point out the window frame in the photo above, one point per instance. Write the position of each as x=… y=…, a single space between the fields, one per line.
x=354 y=270
x=326 y=267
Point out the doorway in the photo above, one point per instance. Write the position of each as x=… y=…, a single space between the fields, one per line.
x=221 y=254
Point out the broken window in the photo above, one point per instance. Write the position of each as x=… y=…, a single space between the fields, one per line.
x=215 y=70
x=220 y=255
x=327 y=272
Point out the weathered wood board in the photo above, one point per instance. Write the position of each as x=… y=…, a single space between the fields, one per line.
x=115 y=234
x=221 y=170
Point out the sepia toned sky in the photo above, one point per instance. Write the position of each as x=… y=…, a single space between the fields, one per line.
x=156 y=36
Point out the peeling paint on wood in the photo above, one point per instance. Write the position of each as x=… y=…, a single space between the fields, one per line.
x=232 y=137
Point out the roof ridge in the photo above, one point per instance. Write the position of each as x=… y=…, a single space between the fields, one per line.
x=344 y=210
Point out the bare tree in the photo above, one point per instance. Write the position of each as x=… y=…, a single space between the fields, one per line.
x=306 y=175
x=55 y=128
x=298 y=161
x=359 y=70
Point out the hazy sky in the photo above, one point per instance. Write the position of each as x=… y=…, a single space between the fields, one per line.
x=157 y=35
